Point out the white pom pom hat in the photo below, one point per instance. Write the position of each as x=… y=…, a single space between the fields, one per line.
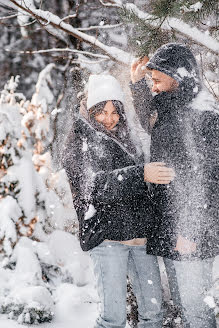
x=103 y=88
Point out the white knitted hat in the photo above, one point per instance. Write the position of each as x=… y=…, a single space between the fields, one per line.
x=103 y=88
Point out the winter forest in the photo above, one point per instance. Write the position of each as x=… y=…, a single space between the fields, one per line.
x=48 y=50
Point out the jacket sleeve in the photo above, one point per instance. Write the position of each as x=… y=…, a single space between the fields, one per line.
x=118 y=185
x=94 y=185
x=142 y=98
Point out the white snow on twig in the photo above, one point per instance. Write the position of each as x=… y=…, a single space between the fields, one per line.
x=99 y=27
x=60 y=50
x=56 y=111
x=7 y=17
x=114 y=3
x=195 y=7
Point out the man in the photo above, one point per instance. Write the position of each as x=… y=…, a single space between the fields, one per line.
x=184 y=138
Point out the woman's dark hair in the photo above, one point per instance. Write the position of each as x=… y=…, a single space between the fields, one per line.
x=121 y=131
x=98 y=108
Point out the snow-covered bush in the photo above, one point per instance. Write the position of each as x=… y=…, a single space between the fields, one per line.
x=54 y=195
x=34 y=201
x=25 y=297
x=17 y=184
x=29 y=305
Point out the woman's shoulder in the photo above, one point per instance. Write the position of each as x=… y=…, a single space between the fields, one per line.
x=83 y=128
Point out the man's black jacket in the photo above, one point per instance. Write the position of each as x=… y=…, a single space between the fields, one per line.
x=186 y=138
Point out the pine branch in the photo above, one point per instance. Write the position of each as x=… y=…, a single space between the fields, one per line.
x=178 y=26
x=145 y=38
x=186 y=9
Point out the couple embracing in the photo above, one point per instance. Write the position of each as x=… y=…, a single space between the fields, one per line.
x=129 y=211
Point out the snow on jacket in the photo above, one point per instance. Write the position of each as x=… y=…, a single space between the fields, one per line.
x=107 y=183
x=186 y=138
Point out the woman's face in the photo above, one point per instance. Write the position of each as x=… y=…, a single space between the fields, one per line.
x=108 y=117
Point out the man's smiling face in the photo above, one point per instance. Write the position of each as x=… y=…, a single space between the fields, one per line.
x=163 y=82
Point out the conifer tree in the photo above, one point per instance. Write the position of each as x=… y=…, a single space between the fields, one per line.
x=34 y=201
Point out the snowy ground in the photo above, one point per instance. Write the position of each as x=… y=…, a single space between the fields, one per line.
x=81 y=316
x=76 y=304
x=79 y=321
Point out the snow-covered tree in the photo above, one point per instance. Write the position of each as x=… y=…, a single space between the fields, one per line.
x=18 y=187
x=34 y=201
x=54 y=195
x=18 y=207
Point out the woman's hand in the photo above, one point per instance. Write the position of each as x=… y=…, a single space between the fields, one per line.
x=138 y=69
x=158 y=173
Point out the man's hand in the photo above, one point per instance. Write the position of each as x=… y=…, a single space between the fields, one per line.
x=158 y=173
x=138 y=69
x=185 y=246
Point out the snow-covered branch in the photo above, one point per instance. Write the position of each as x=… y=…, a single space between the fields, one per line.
x=89 y=62
x=179 y=26
x=51 y=19
x=99 y=27
x=69 y=16
x=73 y=15
x=112 y=3
x=28 y=24
x=7 y=17
x=87 y=53
x=116 y=54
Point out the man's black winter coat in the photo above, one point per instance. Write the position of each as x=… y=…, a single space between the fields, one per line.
x=186 y=138
x=107 y=184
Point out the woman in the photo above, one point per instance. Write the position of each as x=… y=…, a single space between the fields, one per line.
x=109 y=194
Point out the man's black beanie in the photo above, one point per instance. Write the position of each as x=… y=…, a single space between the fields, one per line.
x=175 y=60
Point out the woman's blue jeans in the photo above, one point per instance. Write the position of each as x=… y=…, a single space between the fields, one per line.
x=113 y=261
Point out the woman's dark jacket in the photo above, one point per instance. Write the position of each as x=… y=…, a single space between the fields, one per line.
x=107 y=183
x=185 y=137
